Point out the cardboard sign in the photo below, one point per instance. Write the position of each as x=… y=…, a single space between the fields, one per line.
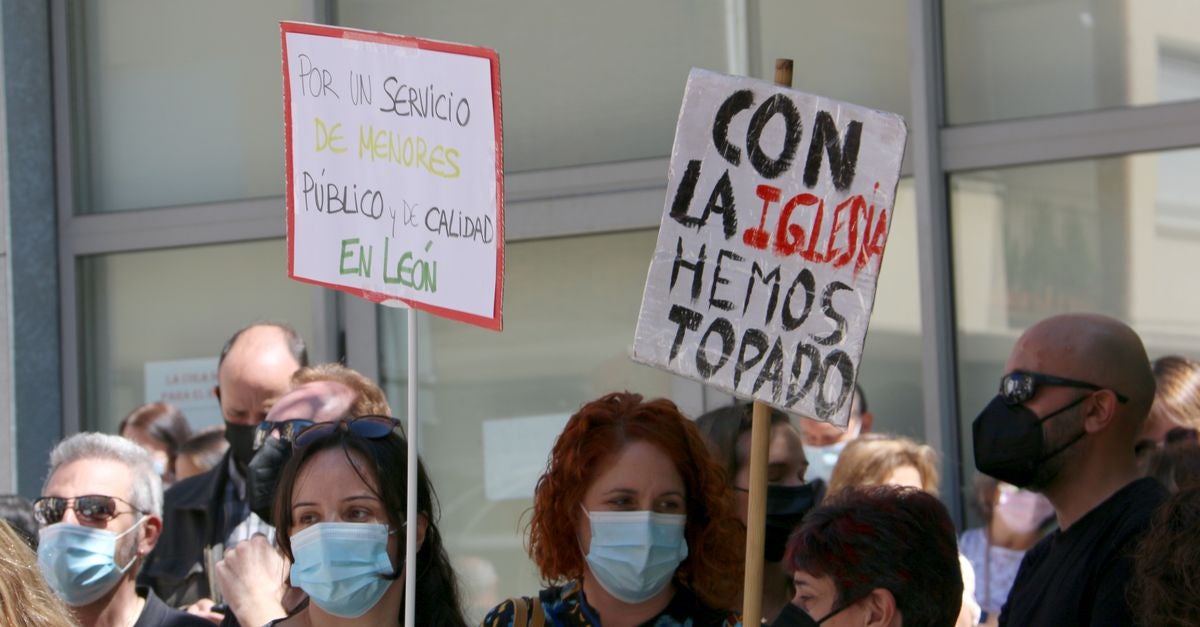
x=773 y=231
x=395 y=188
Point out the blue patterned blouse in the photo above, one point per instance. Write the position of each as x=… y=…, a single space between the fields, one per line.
x=565 y=606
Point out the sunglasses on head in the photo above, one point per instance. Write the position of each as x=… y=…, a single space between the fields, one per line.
x=287 y=429
x=367 y=427
x=1018 y=386
x=1177 y=435
x=93 y=508
x=1181 y=434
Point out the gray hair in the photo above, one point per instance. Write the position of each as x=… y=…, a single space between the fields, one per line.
x=147 y=490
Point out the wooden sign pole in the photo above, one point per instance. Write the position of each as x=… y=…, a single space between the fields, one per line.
x=411 y=512
x=760 y=439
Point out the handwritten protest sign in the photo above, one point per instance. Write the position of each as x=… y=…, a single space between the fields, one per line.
x=773 y=231
x=395 y=169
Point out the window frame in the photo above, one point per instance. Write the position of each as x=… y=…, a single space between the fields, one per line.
x=612 y=197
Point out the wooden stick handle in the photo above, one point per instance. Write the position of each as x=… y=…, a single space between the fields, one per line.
x=756 y=515
x=783 y=72
x=760 y=440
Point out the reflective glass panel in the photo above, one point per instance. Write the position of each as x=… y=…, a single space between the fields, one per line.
x=492 y=404
x=177 y=103
x=1018 y=59
x=852 y=50
x=1082 y=236
x=582 y=82
x=163 y=311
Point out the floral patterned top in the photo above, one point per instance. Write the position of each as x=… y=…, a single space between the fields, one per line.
x=565 y=606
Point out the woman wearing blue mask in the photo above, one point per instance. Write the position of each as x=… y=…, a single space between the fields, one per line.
x=789 y=495
x=632 y=525
x=340 y=520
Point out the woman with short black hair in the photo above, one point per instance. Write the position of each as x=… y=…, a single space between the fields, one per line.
x=878 y=556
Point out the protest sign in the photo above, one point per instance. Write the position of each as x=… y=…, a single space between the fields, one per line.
x=395 y=169
x=773 y=231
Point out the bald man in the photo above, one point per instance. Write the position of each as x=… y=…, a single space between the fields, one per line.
x=1076 y=394
x=207 y=513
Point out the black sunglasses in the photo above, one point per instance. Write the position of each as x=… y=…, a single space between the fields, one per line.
x=368 y=427
x=1018 y=386
x=287 y=429
x=93 y=508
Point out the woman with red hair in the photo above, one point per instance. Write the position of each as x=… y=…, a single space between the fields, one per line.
x=632 y=525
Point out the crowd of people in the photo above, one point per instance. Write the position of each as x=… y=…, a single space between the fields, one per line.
x=294 y=513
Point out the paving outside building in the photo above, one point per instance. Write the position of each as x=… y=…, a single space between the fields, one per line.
x=1051 y=158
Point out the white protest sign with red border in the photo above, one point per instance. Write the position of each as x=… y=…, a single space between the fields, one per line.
x=773 y=231
x=395 y=175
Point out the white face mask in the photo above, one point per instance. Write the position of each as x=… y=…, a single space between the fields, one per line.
x=822 y=459
x=1021 y=510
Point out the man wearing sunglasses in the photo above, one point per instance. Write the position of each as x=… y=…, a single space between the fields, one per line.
x=251 y=575
x=1075 y=395
x=209 y=513
x=100 y=514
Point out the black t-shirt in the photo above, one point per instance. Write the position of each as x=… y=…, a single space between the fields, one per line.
x=157 y=614
x=1079 y=576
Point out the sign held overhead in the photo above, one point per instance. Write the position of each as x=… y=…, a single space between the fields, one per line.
x=773 y=231
x=395 y=169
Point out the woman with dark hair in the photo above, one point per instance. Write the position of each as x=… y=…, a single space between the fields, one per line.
x=161 y=429
x=1176 y=408
x=632 y=524
x=1166 y=585
x=789 y=496
x=340 y=520
x=1177 y=463
x=881 y=556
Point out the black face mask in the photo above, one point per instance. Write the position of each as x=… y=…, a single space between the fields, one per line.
x=241 y=442
x=792 y=616
x=786 y=507
x=1009 y=444
x=262 y=476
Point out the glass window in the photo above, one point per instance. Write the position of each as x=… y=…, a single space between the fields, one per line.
x=890 y=373
x=852 y=50
x=491 y=404
x=583 y=83
x=177 y=103
x=178 y=305
x=603 y=82
x=1178 y=207
x=494 y=402
x=1017 y=59
x=1035 y=241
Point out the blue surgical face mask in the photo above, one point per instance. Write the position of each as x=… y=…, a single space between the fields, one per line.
x=633 y=555
x=79 y=562
x=822 y=459
x=344 y=567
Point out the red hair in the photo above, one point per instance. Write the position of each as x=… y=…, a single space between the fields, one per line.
x=599 y=430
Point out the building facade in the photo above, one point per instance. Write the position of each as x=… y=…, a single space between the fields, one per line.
x=1052 y=149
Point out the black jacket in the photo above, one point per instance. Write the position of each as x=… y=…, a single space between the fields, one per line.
x=156 y=614
x=192 y=520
